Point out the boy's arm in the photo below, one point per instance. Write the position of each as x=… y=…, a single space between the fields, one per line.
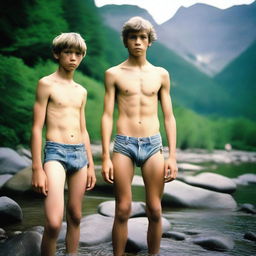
x=91 y=178
x=170 y=127
x=39 y=179
x=107 y=125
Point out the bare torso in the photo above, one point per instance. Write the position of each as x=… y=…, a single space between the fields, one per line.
x=63 y=112
x=137 y=97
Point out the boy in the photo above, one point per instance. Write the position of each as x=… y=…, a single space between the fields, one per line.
x=60 y=104
x=137 y=85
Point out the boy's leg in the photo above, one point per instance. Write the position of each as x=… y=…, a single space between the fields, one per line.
x=123 y=174
x=153 y=175
x=76 y=189
x=53 y=206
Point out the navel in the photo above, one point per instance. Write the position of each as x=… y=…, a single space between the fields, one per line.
x=126 y=91
x=72 y=135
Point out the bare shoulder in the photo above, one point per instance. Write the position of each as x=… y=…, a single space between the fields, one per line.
x=81 y=88
x=113 y=71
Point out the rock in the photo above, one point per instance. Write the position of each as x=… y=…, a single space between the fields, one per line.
x=247 y=179
x=94 y=229
x=215 y=243
x=248 y=208
x=174 y=235
x=4 y=178
x=10 y=161
x=3 y=235
x=250 y=236
x=10 y=211
x=108 y=209
x=25 y=244
x=211 y=181
x=24 y=152
x=20 y=182
x=39 y=229
x=137 y=233
x=179 y=194
x=190 y=167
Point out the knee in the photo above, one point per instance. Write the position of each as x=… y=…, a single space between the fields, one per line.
x=154 y=212
x=123 y=211
x=74 y=216
x=53 y=227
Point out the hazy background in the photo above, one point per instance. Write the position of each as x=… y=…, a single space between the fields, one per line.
x=209 y=52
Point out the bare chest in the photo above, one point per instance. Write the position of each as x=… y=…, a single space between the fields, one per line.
x=66 y=97
x=139 y=83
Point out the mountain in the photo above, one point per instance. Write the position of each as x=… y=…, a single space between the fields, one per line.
x=239 y=80
x=206 y=36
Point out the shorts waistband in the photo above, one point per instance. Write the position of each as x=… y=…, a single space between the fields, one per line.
x=66 y=146
x=150 y=139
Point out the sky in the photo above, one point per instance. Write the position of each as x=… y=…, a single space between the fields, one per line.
x=163 y=10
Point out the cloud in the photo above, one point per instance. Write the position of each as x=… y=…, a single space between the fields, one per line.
x=163 y=10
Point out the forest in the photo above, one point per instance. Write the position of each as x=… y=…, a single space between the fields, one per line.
x=25 y=56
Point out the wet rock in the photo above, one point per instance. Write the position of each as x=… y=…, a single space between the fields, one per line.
x=94 y=229
x=10 y=161
x=108 y=209
x=20 y=182
x=10 y=211
x=25 y=244
x=211 y=181
x=248 y=208
x=180 y=194
x=174 y=235
x=250 y=236
x=137 y=233
x=215 y=243
x=4 y=178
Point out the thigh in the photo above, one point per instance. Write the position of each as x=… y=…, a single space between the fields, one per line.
x=123 y=174
x=153 y=176
x=76 y=187
x=54 y=202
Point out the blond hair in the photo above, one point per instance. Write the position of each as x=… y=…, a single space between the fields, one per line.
x=135 y=24
x=68 y=40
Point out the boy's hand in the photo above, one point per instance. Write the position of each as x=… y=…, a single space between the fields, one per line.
x=91 y=178
x=107 y=170
x=39 y=181
x=170 y=170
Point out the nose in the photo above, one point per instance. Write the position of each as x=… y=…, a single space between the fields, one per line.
x=138 y=41
x=73 y=56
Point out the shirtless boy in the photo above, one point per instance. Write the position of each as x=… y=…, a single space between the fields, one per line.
x=60 y=104
x=137 y=86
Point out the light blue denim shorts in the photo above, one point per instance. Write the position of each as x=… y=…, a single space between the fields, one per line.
x=138 y=149
x=72 y=156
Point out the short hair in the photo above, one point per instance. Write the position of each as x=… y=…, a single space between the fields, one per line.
x=137 y=23
x=68 y=40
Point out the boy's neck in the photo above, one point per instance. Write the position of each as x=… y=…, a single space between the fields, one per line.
x=137 y=61
x=65 y=75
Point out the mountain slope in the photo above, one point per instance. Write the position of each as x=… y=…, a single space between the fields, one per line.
x=239 y=80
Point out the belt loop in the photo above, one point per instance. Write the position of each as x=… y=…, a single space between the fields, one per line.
x=126 y=140
x=150 y=139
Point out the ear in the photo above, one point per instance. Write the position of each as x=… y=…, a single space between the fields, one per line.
x=56 y=56
x=149 y=44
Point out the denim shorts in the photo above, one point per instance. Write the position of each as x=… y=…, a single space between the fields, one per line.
x=72 y=156
x=138 y=149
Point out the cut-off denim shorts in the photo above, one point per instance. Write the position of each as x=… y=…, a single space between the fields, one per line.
x=138 y=149
x=72 y=156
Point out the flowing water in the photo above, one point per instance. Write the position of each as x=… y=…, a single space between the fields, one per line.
x=188 y=221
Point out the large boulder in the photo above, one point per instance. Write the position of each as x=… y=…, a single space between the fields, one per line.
x=10 y=211
x=4 y=178
x=94 y=229
x=245 y=179
x=180 y=194
x=137 y=233
x=10 y=161
x=24 y=244
x=108 y=209
x=20 y=182
x=215 y=243
x=211 y=181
